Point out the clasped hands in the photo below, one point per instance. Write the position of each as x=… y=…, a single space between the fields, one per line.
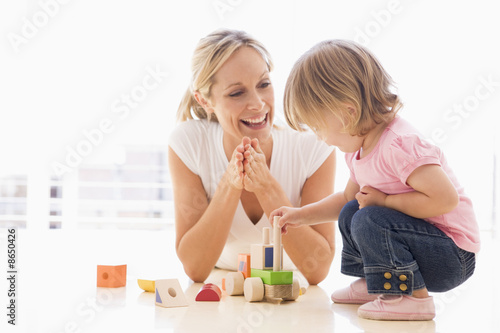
x=248 y=168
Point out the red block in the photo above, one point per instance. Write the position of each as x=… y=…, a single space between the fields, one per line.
x=209 y=292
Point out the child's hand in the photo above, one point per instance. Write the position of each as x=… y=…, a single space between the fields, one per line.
x=368 y=196
x=290 y=217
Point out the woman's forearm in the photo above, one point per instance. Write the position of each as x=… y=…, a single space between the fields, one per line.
x=310 y=251
x=200 y=247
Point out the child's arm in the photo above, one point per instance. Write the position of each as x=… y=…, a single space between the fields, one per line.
x=434 y=194
x=325 y=210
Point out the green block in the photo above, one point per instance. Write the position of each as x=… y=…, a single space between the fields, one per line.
x=268 y=276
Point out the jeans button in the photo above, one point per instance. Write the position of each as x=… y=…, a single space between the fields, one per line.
x=387 y=275
x=387 y=286
x=403 y=287
x=403 y=278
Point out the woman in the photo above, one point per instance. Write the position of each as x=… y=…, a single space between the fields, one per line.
x=230 y=167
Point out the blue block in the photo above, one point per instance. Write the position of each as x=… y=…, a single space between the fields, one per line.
x=268 y=256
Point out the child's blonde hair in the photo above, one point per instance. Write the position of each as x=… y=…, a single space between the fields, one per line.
x=335 y=72
x=210 y=54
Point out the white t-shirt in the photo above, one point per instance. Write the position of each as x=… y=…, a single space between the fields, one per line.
x=295 y=157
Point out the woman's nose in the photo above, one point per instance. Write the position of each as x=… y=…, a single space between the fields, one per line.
x=255 y=101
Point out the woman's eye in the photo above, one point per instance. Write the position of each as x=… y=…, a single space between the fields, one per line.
x=235 y=94
x=265 y=84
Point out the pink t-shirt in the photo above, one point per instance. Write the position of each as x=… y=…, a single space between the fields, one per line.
x=400 y=150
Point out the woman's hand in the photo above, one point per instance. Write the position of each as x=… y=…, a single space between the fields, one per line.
x=368 y=196
x=234 y=172
x=257 y=176
x=289 y=217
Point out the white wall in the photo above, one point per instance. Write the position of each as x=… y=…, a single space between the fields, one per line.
x=65 y=66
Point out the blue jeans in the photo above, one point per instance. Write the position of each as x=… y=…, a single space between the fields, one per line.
x=397 y=253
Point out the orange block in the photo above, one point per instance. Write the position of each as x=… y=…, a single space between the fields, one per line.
x=244 y=264
x=111 y=276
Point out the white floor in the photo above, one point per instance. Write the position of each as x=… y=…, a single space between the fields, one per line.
x=57 y=292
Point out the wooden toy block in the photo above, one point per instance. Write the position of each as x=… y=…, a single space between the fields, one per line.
x=146 y=285
x=296 y=291
x=234 y=283
x=111 y=276
x=169 y=293
x=278 y=291
x=272 y=278
x=209 y=292
x=277 y=252
x=254 y=289
x=244 y=264
x=262 y=254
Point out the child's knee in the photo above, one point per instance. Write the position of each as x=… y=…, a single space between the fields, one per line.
x=348 y=210
x=366 y=223
x=346 y=214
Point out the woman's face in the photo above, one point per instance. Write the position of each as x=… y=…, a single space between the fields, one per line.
x=242 y=96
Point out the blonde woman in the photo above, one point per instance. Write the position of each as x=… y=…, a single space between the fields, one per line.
x=230 y=167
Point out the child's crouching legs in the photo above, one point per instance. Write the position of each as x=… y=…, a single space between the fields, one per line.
x=401 y=253
x=351 y=262
x=389 y=266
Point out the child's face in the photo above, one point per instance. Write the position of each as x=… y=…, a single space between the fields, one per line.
x=333 y=134
x=243 y=97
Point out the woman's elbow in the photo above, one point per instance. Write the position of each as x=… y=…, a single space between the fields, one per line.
x=195 y=270
x=318 y=276
x=315 y=279
x=196 y=274
x=320 y=272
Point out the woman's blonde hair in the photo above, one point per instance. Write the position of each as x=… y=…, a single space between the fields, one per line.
x=333 y=73
x=210 y=54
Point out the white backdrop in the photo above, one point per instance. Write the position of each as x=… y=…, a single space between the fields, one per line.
x=113 y=72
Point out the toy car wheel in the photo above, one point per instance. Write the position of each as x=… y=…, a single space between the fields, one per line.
x=254 y=289
x=234 y=283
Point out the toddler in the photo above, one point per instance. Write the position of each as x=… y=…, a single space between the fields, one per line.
x=407 y=226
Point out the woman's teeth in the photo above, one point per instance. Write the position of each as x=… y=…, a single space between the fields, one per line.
x=255 y=120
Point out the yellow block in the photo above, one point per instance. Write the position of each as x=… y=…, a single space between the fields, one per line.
x=147 y=285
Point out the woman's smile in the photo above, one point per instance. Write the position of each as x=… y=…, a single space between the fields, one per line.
x=256 y=122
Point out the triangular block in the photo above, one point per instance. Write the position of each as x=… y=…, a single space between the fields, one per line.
x=169 y=293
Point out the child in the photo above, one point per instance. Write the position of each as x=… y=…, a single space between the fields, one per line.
x=406 y=224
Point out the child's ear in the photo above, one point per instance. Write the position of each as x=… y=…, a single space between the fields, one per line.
x=350 y=108
x=205 y=103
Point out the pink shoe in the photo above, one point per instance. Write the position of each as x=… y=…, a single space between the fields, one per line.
x=392 y=307
x=356 y=293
